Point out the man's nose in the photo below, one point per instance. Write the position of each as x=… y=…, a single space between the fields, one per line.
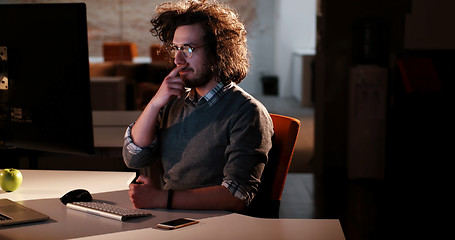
x=179 y=58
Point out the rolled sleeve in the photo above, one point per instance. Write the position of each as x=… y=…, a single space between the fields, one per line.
x=135 y=156
x=128 y=142
x=238 y=191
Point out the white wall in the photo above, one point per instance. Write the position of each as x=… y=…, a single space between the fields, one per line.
x=283 y=31
x=295 y=22
x=261 y=42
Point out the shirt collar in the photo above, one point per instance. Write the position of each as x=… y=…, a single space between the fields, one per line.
x=212 y=96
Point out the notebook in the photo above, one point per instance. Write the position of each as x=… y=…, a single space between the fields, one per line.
x=15 y=213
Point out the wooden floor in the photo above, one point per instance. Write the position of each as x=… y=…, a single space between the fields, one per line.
x=298 y=199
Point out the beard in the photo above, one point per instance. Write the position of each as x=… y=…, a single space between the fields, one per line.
x=199 y=80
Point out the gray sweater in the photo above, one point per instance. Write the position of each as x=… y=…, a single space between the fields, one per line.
x=207 y=143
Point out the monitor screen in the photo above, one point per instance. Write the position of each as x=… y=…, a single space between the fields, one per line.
x=45 y=84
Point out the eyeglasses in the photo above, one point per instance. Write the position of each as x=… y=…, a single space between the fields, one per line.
x=187 y=50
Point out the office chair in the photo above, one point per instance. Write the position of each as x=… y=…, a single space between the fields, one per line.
x=119 y=51
x=267 y=201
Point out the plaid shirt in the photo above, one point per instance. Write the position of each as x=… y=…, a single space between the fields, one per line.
x=211 y=98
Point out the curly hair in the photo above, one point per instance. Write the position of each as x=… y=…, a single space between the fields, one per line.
x=225 y=34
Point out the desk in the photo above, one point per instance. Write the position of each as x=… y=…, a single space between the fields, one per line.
x=41 y=190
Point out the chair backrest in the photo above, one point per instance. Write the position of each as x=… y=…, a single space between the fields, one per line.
x=286 y=132
x=266 y=203
x=119 y=51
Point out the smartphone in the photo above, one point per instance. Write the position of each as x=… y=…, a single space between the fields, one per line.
x=177 y=223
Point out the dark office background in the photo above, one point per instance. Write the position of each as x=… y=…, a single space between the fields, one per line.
x=415 y=181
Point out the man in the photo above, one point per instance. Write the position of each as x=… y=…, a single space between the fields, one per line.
x=211 y=136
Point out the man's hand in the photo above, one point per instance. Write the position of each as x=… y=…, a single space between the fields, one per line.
x=145 y=194
x=143 y=132
x=172 y=85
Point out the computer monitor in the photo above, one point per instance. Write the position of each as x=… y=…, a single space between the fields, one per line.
x=44 y=73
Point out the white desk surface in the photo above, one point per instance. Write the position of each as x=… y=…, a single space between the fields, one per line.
x=42 y=189
x=45 y=184
x=237 y=226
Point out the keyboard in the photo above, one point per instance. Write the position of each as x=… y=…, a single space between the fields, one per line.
x=107 y=210
x=4 y=217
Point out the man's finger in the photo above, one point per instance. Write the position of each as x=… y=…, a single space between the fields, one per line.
x=143 y=179
x=176 y=70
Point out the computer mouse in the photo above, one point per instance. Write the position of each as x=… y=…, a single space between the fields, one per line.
x=78 y=195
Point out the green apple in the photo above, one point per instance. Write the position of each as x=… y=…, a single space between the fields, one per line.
x=10 y=179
